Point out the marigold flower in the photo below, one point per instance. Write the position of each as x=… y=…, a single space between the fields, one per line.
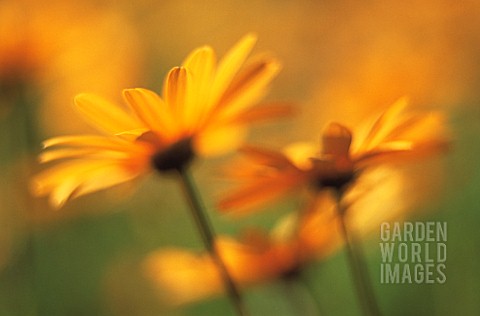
x=204 y=111
x=394 y=137
x=184 y=276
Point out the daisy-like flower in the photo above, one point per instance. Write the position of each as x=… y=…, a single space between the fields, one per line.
x=183 y=276
x=204 y=110
x=395 y=136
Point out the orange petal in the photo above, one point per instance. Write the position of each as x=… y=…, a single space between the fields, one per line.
x=152 y=110
x=247 y=88
x=201 y=64
x=94 y=142
x=231 y=64
x=384 y=124
x=57 y=154
x=260 y=192
x=183 y=276
x=104 y=115
x=70 y=180
x=267 y=157
x=265 y=112
x=219 y=140
x=177 y=95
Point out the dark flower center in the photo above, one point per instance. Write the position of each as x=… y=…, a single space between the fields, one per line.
x=337 y=181
x=175 y=157
x=333 y=174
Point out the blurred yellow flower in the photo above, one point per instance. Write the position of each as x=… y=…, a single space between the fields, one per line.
x=394 y=137
x=204 y=111
x=50 y=49
x=21 y=51
x=184 y=276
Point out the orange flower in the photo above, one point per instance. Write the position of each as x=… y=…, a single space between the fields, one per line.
x=394 y=137
x=49 y=51
x=204 y=111
x=183 y=276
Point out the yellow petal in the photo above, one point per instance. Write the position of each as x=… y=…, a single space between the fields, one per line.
x=201 y=64
x=301 y=154
x=247 y=88
x=93 y=141
x=103 y=178
x=73 y=179
x=151 y=110
x=264 y=112
x=51 y=155
x=44 y=182
x=384 y=124
x=421 y=127
x=260 y=192
x=104 y=115
x=219 y=140
x=183 y=276
x=132 y=135
x=62 y=192
x=267 y=157
x=177 y=95
x=231 y=64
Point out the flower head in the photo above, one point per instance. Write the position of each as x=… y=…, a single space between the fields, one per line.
x=393 y=137
x=257 y=257
x=204 y=110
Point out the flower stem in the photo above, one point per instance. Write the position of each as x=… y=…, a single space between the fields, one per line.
x=358 y=267
x=302 y=294
x=208 y=237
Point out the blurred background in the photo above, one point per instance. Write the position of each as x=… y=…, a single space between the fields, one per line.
x=342 y=60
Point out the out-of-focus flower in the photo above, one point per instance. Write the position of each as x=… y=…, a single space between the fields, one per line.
x=183 y=276
x=51 y=48
x=22 y=51
x=204 y=111
x=394 y=137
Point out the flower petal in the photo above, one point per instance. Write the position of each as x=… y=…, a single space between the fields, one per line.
x=152 y=110
x=260 y=192
x=94 y=142
x=177 y=95
x=103 y=178
x=247 y=88
x=231 y=64
x=201 y=64
x=384 y=124
x=301 y=154
x=219 y=140
x=266 y=157
x=57 y=154
x=264 y=112
x=104 y=115
x=75 y=178
x=44 y=182
x=183 y=276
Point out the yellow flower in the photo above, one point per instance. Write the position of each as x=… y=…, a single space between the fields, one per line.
x=394 y=137
x=48 y=51
x=204 y=111
x=184 y=276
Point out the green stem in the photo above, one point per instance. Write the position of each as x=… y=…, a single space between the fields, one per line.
x=22 y=142
x=208 y=237
x=304 y=299
x=358 y=267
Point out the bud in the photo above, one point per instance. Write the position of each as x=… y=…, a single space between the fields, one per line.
x=336 y=140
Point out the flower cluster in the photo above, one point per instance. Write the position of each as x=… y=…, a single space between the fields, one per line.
x=204 y=110
x=336 y=169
